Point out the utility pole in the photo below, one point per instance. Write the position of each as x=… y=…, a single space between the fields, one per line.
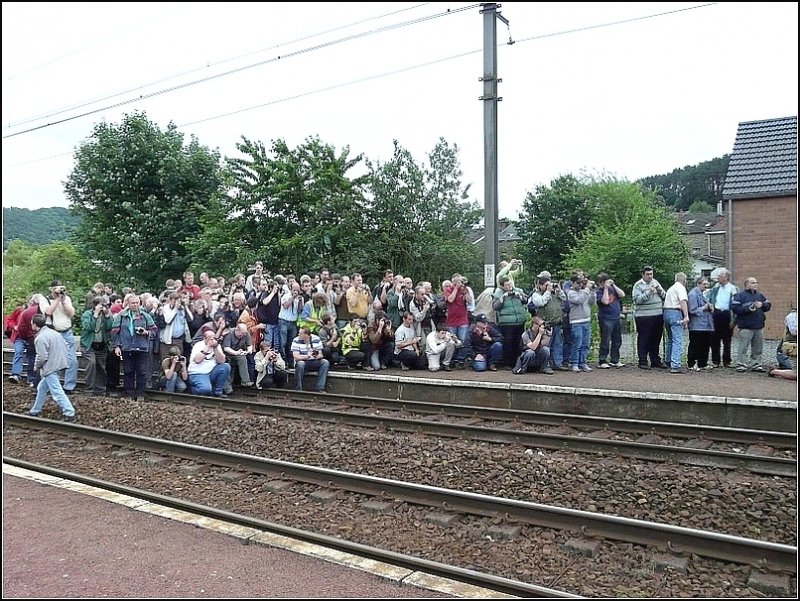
x=490 y=100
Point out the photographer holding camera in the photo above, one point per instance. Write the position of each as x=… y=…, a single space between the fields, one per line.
x=130 y=336
x=270 y=368
x=59 y=311
x=511 y=313
x=96 y=325
x=174 y=373
x=581 y=296
x=307 y=354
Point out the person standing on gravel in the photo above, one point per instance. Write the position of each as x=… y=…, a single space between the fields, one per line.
x=51 y=357
x=676 y=318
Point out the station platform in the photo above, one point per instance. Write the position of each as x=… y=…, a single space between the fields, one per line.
x=63 y=539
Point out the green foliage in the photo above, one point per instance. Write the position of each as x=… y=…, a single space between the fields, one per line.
x=629 y=229
x=683 y=187
x=28 y=269
x=39 y=226
x=418 y=217
x=551 y=220
x=140 y=194
x=295 y=209
x=701 y=206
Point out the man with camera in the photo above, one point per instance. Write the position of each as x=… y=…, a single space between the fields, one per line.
x=174 y=372
x=440 y=347
x=208 y=371
x=581 y=297
x=270 y=368
x=510 y=313
x=307 y=355
x=130 y=338
x=96 y=324
x=59 y=311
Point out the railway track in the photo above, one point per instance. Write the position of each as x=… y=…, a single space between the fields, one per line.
x=757 y=451
x=531 y=518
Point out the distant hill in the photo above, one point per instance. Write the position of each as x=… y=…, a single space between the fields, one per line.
x=40 y=226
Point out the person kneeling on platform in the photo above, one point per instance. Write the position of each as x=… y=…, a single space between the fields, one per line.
x=535 y=348
x=406 y=345
x=173 y=372
x=208 y=372
x=307 y=354
x=440 y=347
x=487 y=344
x=270 y=368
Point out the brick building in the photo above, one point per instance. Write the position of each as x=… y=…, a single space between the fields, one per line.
x=760 y=196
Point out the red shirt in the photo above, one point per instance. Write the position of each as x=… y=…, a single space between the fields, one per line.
x=24 y=329
x=457 y=310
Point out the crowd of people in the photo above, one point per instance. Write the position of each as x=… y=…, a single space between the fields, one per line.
x=210 y=336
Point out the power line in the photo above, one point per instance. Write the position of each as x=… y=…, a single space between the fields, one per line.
x=85 y=103
x=244 y=68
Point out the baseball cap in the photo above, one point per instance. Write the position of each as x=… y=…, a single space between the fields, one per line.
x=545 y=275
x=482 y=317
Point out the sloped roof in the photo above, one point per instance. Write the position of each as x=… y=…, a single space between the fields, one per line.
x=696 y=223
x=764 y=160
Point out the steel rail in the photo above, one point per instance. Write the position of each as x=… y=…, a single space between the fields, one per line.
x=773 y=466
x=677 y=538
x=473 y=577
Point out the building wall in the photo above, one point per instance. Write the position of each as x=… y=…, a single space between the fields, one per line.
x=716 y=245
x=764 y=245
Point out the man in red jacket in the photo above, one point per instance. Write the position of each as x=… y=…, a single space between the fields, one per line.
x=25 y=334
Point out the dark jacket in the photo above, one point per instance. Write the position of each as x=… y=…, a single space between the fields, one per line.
x=481 y=346
x=747 y=316
x=123 y=331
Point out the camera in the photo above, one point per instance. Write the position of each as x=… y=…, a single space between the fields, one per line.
x=314 y=353
x=141 y=331
x=181 y=359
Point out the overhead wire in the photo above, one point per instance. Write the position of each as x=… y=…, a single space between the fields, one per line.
x=84 y=103
x=244 y=68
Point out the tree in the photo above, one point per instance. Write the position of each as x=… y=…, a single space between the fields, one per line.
x=141 y=194
x=551 y=220
x=682 y=187
x=419 y=216
x=700 y=206
x=630 y=228
x=295 y=209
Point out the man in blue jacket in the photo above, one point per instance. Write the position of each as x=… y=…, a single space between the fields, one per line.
x=749 y=306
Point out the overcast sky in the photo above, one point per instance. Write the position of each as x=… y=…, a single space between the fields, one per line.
x=629 y=89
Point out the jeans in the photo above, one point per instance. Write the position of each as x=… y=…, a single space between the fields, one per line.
x=580 y=343
x=19 y=353
x=463 y=335
x=538 y=358
x=321 y=365
x=672 y=322
x=212 y=383
x=33 y=376
x=288 y=331
x=610 y=338
x=50 y=383
x=492 y=357
x=566 y=337
x=173 y=384
x=272 y=335
x=71 y=375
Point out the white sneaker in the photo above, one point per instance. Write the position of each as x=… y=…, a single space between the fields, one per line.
x=604 y=365
x=618 y=364
x=586 y=368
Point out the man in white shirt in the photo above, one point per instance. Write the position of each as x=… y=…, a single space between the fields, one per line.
x=208 y=371
x=440 y=344
x=58 y=310
x=307 y=355
x=676 y=317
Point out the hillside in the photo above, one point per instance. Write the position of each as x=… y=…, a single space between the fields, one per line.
x=40 y=226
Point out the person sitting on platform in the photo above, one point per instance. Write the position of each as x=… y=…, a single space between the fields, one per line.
x=270 y=368
x=536 y=348
x=487 y=344
x=440 y=347
x=307 y=354
x=174 y=374
x=208 y=371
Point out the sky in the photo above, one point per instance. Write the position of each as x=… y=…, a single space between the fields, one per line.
x=626 y=90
